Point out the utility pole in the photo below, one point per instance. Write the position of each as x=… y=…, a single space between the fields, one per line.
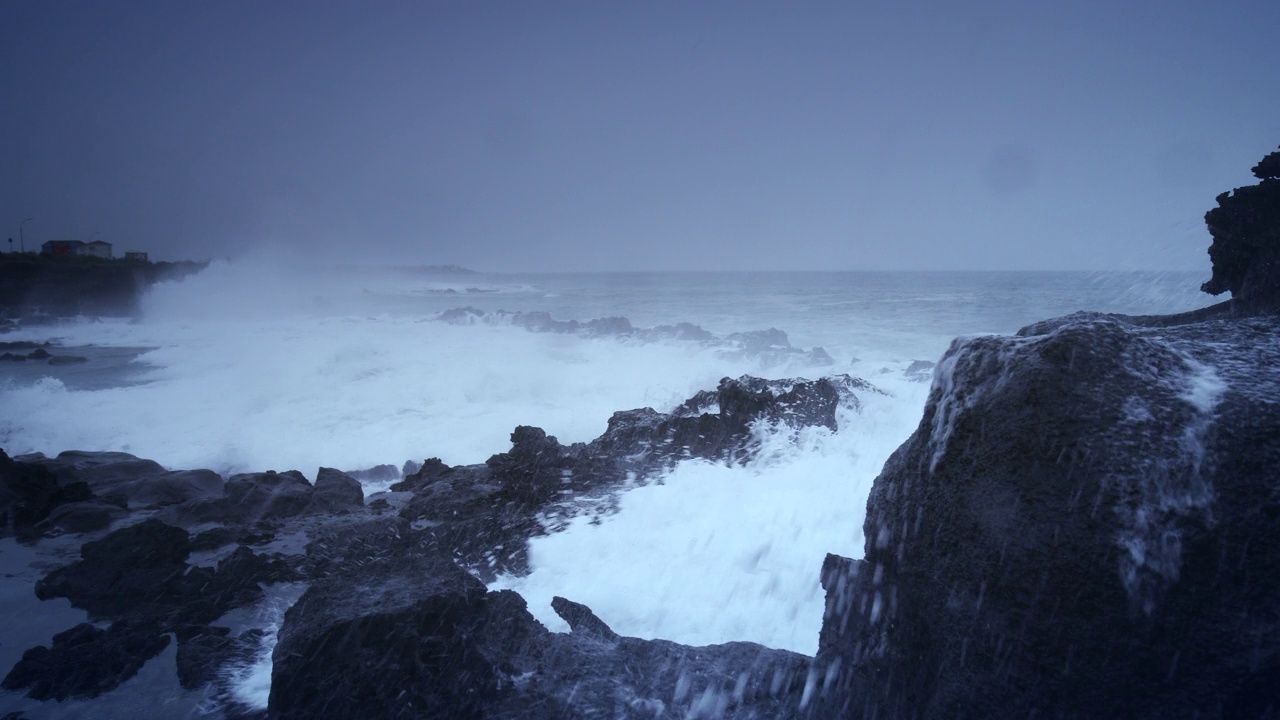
x=21 y=237
x=10 y=246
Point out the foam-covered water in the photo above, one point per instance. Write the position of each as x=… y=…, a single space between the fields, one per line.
x=258 y=367
x=717 y=553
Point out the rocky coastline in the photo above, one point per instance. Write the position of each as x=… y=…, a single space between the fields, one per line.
x=1081 y=526
x=393 y=583
x=1079 y=523
x=35 y=288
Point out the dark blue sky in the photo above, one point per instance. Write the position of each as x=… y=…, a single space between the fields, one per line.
x=639 y=136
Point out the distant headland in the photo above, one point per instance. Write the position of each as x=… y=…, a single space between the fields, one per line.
x=68 y=279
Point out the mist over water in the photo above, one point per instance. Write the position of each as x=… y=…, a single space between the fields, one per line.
x=257 y=366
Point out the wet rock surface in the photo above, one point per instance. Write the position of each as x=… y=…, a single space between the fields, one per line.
x=1076 y=529
x=411 y=636
x=1073 y=530
x=166 y=555
x=1246 y=245
x=484 y=514
x=85 y=661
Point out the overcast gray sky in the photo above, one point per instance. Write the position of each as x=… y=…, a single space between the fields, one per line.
x=639 y=136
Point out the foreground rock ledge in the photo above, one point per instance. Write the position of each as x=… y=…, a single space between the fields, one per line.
x=1084 y=525
x=409 y=636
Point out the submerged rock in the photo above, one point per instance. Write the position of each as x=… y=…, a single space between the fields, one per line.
x=1073 y=531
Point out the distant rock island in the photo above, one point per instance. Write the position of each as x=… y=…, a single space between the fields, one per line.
x=413 y=269
x=69 y=285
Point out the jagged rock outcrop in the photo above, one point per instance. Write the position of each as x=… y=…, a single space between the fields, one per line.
x=128 y=481
x=1246 y=238
x=336 y=491
x=68 y=286
x=137 y=578
x=29 y=492
x=484 y=514
x=141 y=573
x=408 y=636
x=151 y=580
x=1073 y=531
x=85 y=661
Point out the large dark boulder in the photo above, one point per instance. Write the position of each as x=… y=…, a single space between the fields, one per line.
x=29 y=492
x=534 y=470
x=337 y=491
x=128 y=480
x=140 y=573
x=172 y=488
x=1073 y=531
x=408 y=636
x=394 y=638
x=1246 y=238
x=251 y=497
x=85 y=662
x=128 y=572
x=83 y=516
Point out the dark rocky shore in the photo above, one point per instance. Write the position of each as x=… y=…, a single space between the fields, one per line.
x=35 y=286
x=1082 y=526
x=394 y=620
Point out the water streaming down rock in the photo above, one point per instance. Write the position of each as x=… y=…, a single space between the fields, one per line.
x=1076 y=525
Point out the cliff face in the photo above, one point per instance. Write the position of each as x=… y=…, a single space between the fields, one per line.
x=1082 y=525
x=1246 y=238
x=79 y=286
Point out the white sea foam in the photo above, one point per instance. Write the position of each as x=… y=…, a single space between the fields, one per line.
x=250 y=684
x=259 y=366
x=715 y=553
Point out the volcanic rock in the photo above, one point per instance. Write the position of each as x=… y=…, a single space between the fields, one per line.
x=85 y=661
x=129 y=480
x=413 y=637
x=1246 y=238
x=140 y=573
x=81 y=517
x=29 y=492
x=337 y=491
x=393 y=638
x=268 y=495
x=581 y=619
x=1073 y=532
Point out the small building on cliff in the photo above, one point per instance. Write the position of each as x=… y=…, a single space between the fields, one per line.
x=135 y=255
x=61 y=247
x=97 y=248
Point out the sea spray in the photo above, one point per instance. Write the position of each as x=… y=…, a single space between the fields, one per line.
x=711 y=553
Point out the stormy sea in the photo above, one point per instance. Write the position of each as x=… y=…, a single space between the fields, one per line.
x=248 y=367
